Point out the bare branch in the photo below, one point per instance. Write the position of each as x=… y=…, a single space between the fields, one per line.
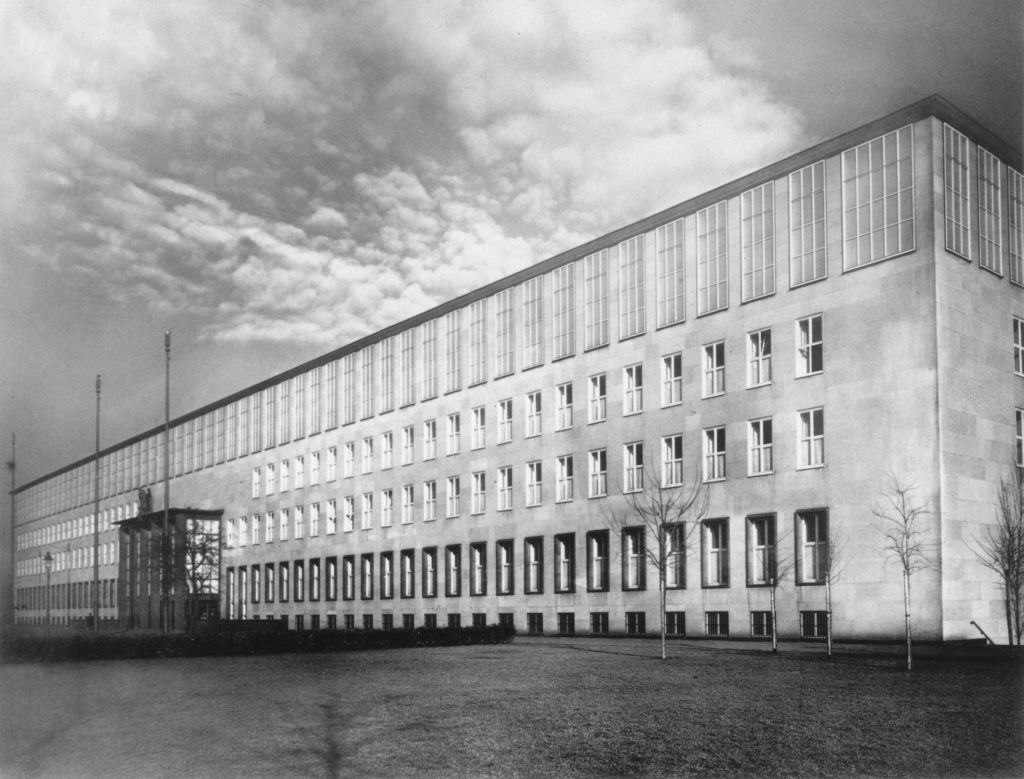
x=901 y=518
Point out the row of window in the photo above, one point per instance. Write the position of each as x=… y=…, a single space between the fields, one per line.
x=375 y=575
x=67 y=560
x=65 y=596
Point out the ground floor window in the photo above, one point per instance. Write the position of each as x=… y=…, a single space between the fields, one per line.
x=387 y=621
x=300 y=622
x=479 y=620
x=408 y=621
x=716 y=624
x=430 y=620
x=350 y=622
x=367 y=621
x=636 y=623
x=454 y=620
x=599 y=623
x=535 y=623
x=506 y=619
x=314 y=622
x=812 y=624
x=675 y=623
x=761 y=624
x=566 y=623
x=332 y=621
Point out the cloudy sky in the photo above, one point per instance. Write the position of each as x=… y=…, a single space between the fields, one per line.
x=271 y=179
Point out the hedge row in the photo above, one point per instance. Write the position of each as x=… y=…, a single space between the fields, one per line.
x=136 y=646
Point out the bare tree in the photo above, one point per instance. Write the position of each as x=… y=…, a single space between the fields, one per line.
x=780 y=566
x=667 y=508
x=901 y=517
x=1001 y=549
x=835 y=566
x=202 y=555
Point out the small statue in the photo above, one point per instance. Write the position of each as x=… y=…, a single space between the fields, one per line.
x=145 y=500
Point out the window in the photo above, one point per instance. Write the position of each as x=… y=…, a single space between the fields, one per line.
x=809 y=357
x=408 y=365
x=1018 y=346
x=299 y=524
x=429 y=500
x=407 y=559
x=633 y=390
x=990 y=206
x=632 y=306
x=670 y=288
x=478 y=569
x=533 y=322
x=408 y=444
x=479 y=427
x=300 y=472
x=563 y=303
x=348 y=514
x=759 y=358
x=715 y=537
x=633 y=467
x=504 y=421
x=675 y=623
x=598 y=398
x=807 y=256
x=367 y=455
x=672 y=461
x=1016 y=220
x=387 y=503
x=813 y=548
x=759 y=453
x=331 y=394
x=564 y=481
x=504 y=488
x=314 y=520
x=598 y=473
x=453 y=571
x=761 y=550
x=387 y=375
x=566 y=623
x=299 y=579
x=257 y=585
x=1020 y=438
x=348 y=577
x=331 y=591
x=269 y=589
x=535 y=623
x=430 y=439
x=564 y=407
x=430 y=572
x=332 y=517
x=366 y=521
x=534 y=565
x=256 y=482
x=285 y=480
x=478 y=494
x=636 y=623
x=811 y=439
x=878 y=199
x=958 y=205
x=453 y=350
x=408 y=503
x=478 y=342
x=595 y=308
x=428 y=358
x=757 y=226
x=270 y=479
x=332 y=463
x=454 y=497
x=284 y=524
x=366 y=578
x=348 y=389
x=504 y=333
x=255 y=538
x=387 y=447
x=672 y=379
x=716 y=624
x=314 y=579
x=534 y=483
x=348 y=459
x=454 y=434
x=599 y=623
x=533 y=414
x=675 y=556
x=283 y=582
x=504 y=567
x=813 y=624
x=714 y=454
x=597 y=560
x=714 y=369
x=368 y=393
x=633 y=561
x=712 y=259
x=565 y=562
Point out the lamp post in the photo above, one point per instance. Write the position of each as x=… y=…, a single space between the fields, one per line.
x=48 y=565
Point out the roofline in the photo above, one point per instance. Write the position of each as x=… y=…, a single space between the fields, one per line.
x=932 y=106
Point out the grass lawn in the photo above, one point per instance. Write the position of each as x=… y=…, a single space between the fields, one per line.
x=544 y=707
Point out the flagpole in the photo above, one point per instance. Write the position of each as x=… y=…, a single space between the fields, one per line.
x=96 y=525
x=165 y=573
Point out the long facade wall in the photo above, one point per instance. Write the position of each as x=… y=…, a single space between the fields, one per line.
x=879 y=403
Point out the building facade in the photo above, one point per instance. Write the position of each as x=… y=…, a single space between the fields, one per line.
x=788 y=339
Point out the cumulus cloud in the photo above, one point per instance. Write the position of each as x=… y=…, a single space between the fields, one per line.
x=307 y=175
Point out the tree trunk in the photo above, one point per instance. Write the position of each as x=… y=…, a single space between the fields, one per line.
x=906 y=613
x=663 y=601
x=828 y=614
x=775 y=622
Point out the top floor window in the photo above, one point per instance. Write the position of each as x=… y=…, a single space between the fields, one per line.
x=1018 y=348
x=533 y=322
x=757 y=227
x=563 y=302
x=668 y=246
x=453 y=350
x=712 y=259
x=504 y=333
x=807 y=259
x=632 y=307
x=595 y=310
x=1016 y=221
x=429 y=358
x=478 y=342
x=990 y=212
x=957 y=165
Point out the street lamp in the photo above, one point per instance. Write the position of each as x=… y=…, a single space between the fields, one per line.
x=48 y=565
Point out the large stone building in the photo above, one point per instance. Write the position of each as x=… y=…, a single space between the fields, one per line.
x=790 y=339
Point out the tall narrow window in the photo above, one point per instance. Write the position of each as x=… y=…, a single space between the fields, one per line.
x=809 y=346
x=331 y=396
x=454 y=425
x=633 y=390
x=284 y=416
x=454 y=497
x=598 y=398
x=429 y=358
x=367 y=512
x=757 y=226
x=387 y=575
x=368 y=384
x=957 y=164
x=807 y=258
x=597 y=560
x=675 y=557
x=672 y=379
x=479 y=427
x=672 y=461
x=387 y=502
x=408 y=445
x=1016 y=222
x=387 y=450
x=429 y=500
x=453 y=571
x=761 y=549
x=348 y=459
x=811 y=439
x=633 y=560
x=408 y=364
x=633 y=467
x=813 y=548
x=367 y=455
x=533 y=565
x=712 y=259
x=348 y=514
x=478 y=342
x=504 y=332
x=1019 y=443
x=407 y=560
x=332 y=517
x=534 y=483
x=430 y=439
x=504 y=488
x=479 y=493
x=759 y=358
x=670 y=286
x=504 y=421
x=564 y=479
x=533 y=321
x=332 y=463
x=408 y=503
x=348 y=577
x=533 y=414
x=314 y=520
x=430 y=572
x=715 y=538
x=386 y=392
x=301 y=408
x=632 y=305
x=478 y=569
x=348 y=389
x=453 y=350
x=595 y=309
x=366 y=567
x=563 y=306
x=565 y=562
x=598 y=473
x=878 y=199
x=759 y=452
x=1018 y=354
x=505 y=567
x=990 y=212
x=714 y=369
x=714 y=454
x=563 y=396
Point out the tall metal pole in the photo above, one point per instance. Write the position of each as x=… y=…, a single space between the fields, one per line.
x=96 y=526
x=165 y=572
x=13 y=557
